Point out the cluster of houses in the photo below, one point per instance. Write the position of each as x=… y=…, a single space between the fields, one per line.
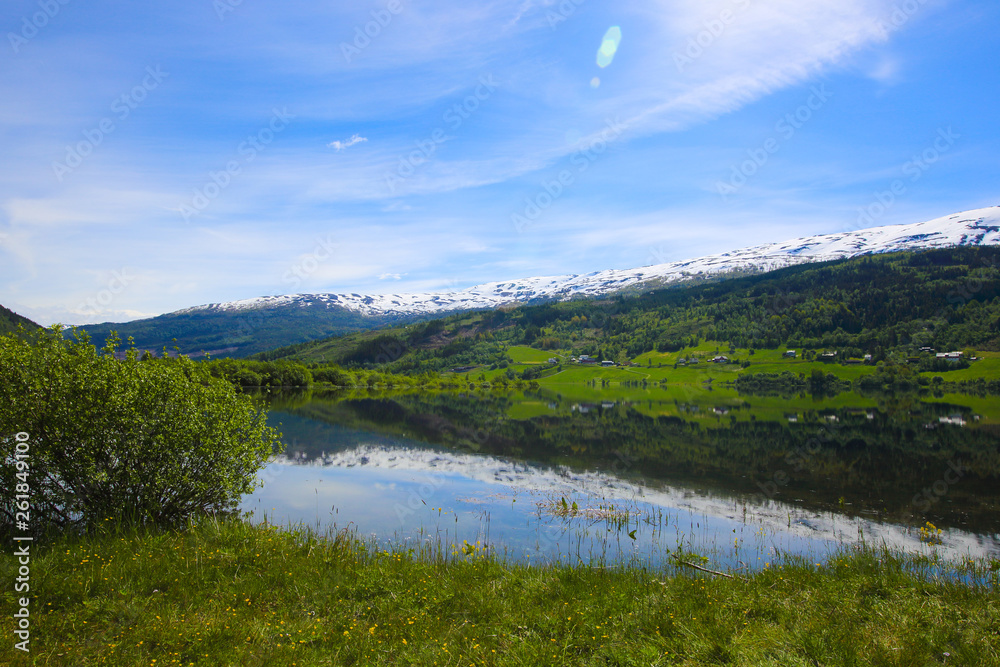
x=584 y=408
x=695 y=360
x=954 y=419
x=832 y=356
x=587 y=359
x=947 y=356
x=793 y=417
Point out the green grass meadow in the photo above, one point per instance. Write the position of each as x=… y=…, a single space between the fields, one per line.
x=656 y=367
x=228 y=593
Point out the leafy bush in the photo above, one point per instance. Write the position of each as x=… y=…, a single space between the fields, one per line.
x=334 y=376
x=253 y=373
x=148 y=441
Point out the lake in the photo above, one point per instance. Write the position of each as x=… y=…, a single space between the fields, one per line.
x=613 y=477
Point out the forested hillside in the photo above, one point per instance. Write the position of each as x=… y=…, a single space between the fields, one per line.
x=946 y=299
x=9 y=321
x=237 y=333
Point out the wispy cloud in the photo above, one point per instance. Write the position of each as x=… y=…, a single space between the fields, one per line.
x=463 y=163
x=339 y=145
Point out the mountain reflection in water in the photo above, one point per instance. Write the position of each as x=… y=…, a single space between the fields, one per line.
x=731 y=477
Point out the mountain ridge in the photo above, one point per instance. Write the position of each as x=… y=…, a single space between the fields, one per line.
x=249 y=326
x=975 y=227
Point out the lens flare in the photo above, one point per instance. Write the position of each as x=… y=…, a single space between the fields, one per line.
x=609 y=46
x=595 y=82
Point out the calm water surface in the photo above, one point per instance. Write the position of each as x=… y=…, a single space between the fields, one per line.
x=613 y=479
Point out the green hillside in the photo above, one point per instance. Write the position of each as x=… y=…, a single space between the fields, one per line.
x=9 y=321
x=887 y=306
x=238 y=333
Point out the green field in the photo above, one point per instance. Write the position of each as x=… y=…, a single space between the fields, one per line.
x=529 y=355
x=659 y=366
x=669 y=390
x=986 y=367
x=227 y=593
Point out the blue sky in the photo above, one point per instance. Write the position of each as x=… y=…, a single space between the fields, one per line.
x=164 y=155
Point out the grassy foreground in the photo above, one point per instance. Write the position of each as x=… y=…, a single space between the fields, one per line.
x=228 y=593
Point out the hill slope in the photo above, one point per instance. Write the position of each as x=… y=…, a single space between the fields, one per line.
x=948 y=299
x=240 y=328
x=9 y=321
x=238 y=333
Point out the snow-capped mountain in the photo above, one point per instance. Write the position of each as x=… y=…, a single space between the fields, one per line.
x=242 y=328
x=977 y=227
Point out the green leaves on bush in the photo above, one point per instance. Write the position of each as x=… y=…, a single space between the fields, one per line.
x=112 y=436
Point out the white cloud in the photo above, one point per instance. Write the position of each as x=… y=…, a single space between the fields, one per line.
x=703 y=58
x=347 y=143
x=119 y=207
x=396 y=206
x=887 y=71
x=762 y=47
x=525 y=7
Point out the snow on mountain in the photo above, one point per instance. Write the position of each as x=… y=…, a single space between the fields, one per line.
x=977 y=227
